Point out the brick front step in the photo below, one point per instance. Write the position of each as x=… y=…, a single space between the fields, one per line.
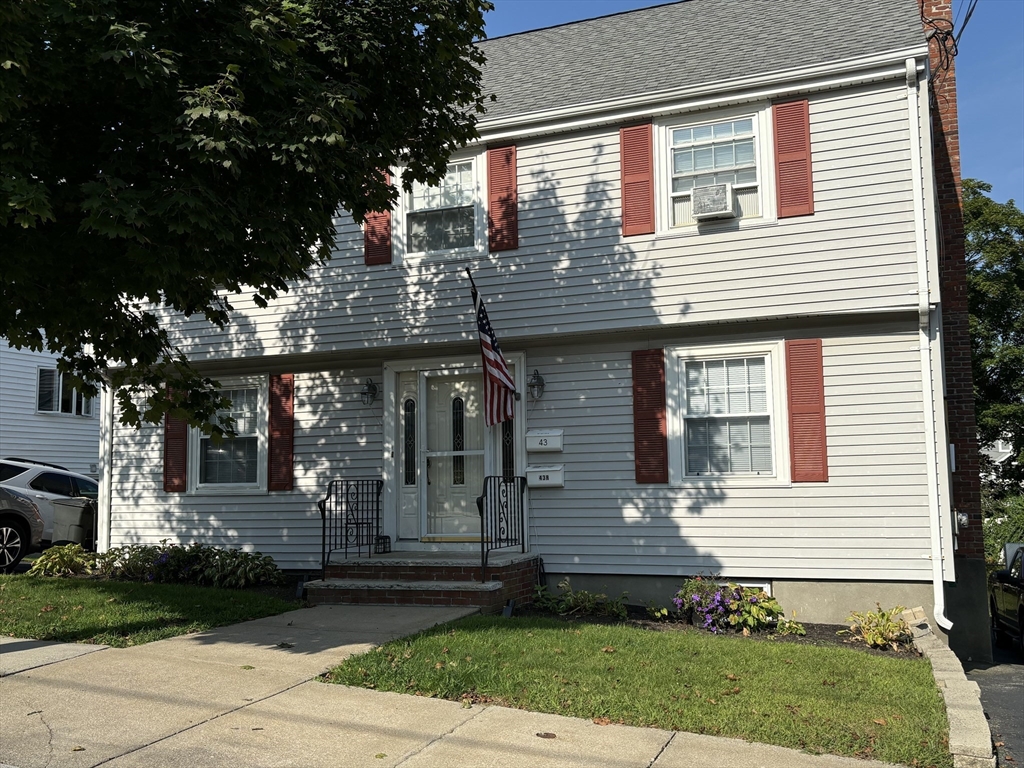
x=428 y=567
x=400 y=582
x=488 y=596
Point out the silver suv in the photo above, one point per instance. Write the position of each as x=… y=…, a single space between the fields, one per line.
x=44 y=483
x=21 y=528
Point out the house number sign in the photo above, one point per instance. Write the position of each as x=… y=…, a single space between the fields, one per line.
x=544 y=440
x=552 y=476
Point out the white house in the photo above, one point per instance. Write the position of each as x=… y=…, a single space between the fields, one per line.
x=713 y=230
x=42 y=416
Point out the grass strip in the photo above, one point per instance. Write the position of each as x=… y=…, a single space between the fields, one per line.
x=120 y=613
x=818 y=699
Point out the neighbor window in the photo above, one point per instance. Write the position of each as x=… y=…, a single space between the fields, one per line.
x=725 y=417
x=443 y=218
x=238 y=462
x=721 y=152
x=56 y=394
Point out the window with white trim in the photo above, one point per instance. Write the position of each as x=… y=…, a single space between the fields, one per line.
x=725 y=413
x=700 y=153
x=56 y=394
x=238 y=462
x=447 y=219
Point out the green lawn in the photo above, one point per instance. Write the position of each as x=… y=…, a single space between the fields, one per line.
x=818 y=699
x=120 y=613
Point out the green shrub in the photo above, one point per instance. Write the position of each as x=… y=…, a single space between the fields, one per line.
x=238 y=569
x=715 y=607
x=166 y=563
x=1006 y=525
x=66 y=560
x=580 y=602
x=789 y=627
x=879 y=629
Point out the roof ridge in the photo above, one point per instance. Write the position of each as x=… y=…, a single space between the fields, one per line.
x=654 y=4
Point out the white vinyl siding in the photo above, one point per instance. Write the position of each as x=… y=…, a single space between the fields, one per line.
x=57 y=438
x=869 y=521
x=335 y=436
x=574 y=273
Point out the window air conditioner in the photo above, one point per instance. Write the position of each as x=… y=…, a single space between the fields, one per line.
x=713 y=202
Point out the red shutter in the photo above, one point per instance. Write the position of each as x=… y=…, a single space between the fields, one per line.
x=805 y=384
x=793 y=185
x=502 y=199
x=175 y=454
x=377 y=236
x=650 y=440
x=282 y=420
x=636 y=158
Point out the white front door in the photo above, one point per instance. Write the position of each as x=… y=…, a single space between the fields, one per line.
x=453 y=455
x=442 y=451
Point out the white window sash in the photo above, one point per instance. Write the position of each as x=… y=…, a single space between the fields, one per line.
x=678 y=414
x=400 y=230
x=78 y=405
x=196 y=439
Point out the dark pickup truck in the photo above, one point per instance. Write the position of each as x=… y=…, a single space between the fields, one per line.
x=1006 y=599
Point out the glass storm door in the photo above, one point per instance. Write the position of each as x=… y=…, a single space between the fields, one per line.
x=453 y=454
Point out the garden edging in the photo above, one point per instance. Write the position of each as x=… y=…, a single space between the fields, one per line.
x=970 y=740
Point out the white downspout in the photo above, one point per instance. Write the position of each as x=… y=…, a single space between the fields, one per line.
x=924 y=311
x=106 y=465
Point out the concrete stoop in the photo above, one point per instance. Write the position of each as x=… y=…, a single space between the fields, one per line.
x=419 y=579
x=970 y=740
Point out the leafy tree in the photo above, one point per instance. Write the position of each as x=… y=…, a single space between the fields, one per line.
x=163 y=157
x=995 y=262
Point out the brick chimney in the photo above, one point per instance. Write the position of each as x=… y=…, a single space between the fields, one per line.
x=966 y=599
x=963 y=432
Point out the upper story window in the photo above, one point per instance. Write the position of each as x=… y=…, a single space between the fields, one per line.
x=443 y=218
x=448 y=218
x=55 y=394
x=703 y=153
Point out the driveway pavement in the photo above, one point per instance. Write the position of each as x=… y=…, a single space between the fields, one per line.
x=246 y=695
x=1002 y=696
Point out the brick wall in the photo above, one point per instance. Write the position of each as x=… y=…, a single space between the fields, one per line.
x=963 y=431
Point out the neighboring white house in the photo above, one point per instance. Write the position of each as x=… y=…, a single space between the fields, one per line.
x=712 y=229
x=42 y=416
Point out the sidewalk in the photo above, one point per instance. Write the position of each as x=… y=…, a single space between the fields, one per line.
x=245 y=695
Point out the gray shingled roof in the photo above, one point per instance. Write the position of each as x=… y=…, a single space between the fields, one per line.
x=684 y=44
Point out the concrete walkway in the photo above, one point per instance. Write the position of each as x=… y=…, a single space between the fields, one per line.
x=246 y=696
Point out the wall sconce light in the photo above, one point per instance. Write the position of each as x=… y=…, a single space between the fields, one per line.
x=536 y=385
x=369 y=392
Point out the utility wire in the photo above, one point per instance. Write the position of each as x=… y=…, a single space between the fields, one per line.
x=967 y=18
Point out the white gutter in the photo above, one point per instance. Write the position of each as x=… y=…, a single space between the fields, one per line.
x=699 y=96
x=924 y=310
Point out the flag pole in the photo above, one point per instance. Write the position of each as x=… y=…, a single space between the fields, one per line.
x=471 y=281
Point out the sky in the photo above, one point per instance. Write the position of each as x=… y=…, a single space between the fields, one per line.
x=989 y=72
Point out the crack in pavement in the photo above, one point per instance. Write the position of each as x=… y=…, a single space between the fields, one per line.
x=662 y=750
x=406 y=758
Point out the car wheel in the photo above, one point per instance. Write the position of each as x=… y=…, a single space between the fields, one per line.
x=13 y=545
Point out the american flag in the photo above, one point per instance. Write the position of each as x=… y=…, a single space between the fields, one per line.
x=499 y=390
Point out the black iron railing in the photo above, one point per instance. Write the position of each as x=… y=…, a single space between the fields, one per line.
x=351 y=518
x=502 y=516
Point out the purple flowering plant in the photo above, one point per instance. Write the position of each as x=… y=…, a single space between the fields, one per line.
x=716 y=607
